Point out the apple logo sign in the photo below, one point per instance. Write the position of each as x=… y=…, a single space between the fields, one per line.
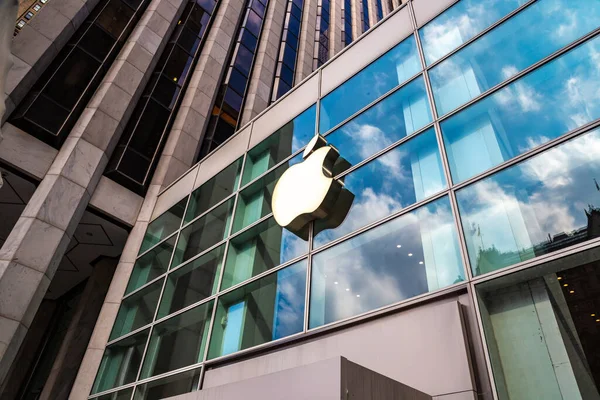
x=307 y=191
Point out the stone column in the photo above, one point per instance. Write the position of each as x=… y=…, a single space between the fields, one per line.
x=176 y=158
x=372 y=12
x=8 y=15
x=78 y=334
x=261 y=81
x=304 y=63
x=192 y=118
x=33 y=250
x=357 y=28
x=335 y=27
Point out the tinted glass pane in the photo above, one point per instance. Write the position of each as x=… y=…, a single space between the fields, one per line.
x=136 y=310
x=166 y=92
x=248 y=39
x=237 y=81
x=510 y=48
x=259 y=249
x=405 y=257
x=124 y=394
x=114 y=17
x=164 y=225
x=97 y=42
x=243 y=60
x=253 y=23
x=192 y=283
x=254 y=202
x=178 y=341
x=203 y=233
x=543 y=204
x=178 y=65
x=149 y=130
x=265 y=310
x=395 y=117
x=47 y=114
x=189 y=40
x=544 y=314
x=120 y=362
x=152 y=264
x=71 y=79
x=460 y=23
x=558 y=97
x=387 y=72
x=403 y=176
x=170 y=386
x=214 y=190
x=280 y=145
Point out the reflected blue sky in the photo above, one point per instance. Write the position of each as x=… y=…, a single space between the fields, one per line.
x=384 y=74
x=258 y=249
x=393 y=118
x=510 y=48
x=401 y=177
x=281 y=144
x=410 y=255
x=535 y=207
x=289 y=300
x=552 y=100
x=460 y=23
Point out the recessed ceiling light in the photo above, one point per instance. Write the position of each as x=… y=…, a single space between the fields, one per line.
x=421 y=262
x=566 y=284
x=559 y=278
x=347 y=289
x=572 y=291
x=410 y=254
x=593 y=315
x=335 y=283
x=358 y=295
x=398 y=245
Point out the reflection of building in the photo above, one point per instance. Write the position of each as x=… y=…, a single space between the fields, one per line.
x=143 y=141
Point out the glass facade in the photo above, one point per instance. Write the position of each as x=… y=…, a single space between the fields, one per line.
x=321 y=52
x=453 y=187
x=55 y=102
x=288 y=50
x=139 y=148
x=227 y=110
x=346 y=22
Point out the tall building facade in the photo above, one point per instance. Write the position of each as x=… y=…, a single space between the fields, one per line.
x=142 y=144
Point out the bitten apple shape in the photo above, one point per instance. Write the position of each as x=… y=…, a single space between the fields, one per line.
x=307 y=191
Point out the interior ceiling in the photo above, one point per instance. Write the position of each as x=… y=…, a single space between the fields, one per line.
x=95 y=237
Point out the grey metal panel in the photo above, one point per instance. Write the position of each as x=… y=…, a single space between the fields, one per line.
x=423 y=347
x=426 y=10
x=380 y=39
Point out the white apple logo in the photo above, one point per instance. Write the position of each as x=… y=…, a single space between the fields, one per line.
x=308 y=191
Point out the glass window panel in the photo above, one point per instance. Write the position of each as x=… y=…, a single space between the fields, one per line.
x=71 y=79
x=214 y=190
x=164 y=225
x=543 y=204
x=166 y=92
x=136 y=310
x=170 y=386
x=259 y=249
x=178 y=341
x=509 y=49
x=248 y=39
x=189 y=40
x=413 y=254
x=268 y=309
x=178 y=65
x=203 y=233
x=460 y=23
x=544 y=104
x=395 y=117
x=97 y=42
x=124 y=394
x=151 y=265
x=237 y=81
x=280 y=145
x=542 y=325
x=254 y=202
x=192 y=283
x=114 y=17
x=46 y=114
x=120 y=362
x=253 y=23
x=243 y=59
x=403 y=176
